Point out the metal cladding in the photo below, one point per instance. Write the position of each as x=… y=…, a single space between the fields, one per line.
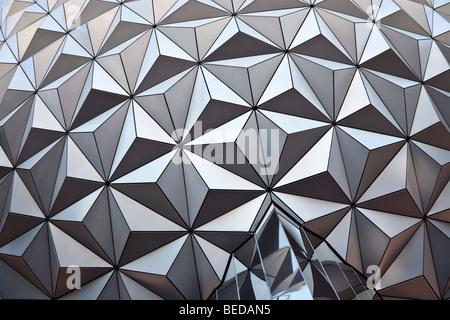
x=284 y=261
x=143 y=142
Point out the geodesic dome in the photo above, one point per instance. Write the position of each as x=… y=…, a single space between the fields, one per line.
x=143 y=142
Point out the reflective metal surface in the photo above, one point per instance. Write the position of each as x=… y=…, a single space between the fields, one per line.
x=143 y=142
